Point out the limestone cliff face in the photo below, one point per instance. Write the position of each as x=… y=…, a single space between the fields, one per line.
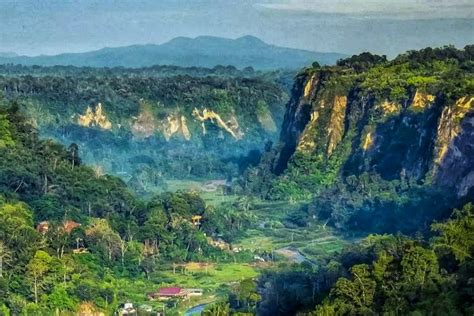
x=175 y=124
x=295 y=125
x=454 y=150
x=336 y=123
x=231 y=126
x=315 y=121
x=94 y=118
x=426 y=137
x=422 y=100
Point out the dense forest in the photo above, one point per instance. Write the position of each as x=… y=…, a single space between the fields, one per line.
x=362 y=206
x=384 y=274
x=376 y=144
x=64 y=227
x=150 y=124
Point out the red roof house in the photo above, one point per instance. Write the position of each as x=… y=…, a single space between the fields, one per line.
x=70 y=225
x=167 y=292
x=170 y=291
x=43 y=227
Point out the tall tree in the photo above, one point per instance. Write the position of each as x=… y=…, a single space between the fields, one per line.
x=37 y=268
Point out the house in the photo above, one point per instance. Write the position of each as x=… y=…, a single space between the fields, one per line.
x=42 y=227
x=193 y=292
x=196 y=219
x=218 y=243
x=166 y=293
x=237 y=249
x=174 y=292
x=127 y=310
x=70 y=225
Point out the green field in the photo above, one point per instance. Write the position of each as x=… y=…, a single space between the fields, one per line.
x=312 y=241
x=215 y=281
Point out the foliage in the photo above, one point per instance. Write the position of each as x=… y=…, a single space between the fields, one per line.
x=370 y=203
x=371 y=164
x=91 y=231
x=382 y=274
x=456 y=234
x=139 y=104
x=217 y=309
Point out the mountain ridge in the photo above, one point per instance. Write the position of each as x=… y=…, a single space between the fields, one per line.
x=202 y=51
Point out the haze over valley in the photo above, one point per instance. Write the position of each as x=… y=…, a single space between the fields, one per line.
x=149 y=168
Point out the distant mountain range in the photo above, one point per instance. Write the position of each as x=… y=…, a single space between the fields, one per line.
x=202 y=51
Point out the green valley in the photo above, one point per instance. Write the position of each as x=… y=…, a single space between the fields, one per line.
x=226 y=192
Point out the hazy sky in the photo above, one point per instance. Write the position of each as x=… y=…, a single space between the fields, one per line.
x=36 y=27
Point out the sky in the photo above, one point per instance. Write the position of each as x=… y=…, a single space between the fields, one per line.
x=34 y=27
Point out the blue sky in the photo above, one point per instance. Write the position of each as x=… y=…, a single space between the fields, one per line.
x=36 y=27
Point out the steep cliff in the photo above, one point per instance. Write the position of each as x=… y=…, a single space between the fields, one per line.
x=145 y=123
x=410 y=118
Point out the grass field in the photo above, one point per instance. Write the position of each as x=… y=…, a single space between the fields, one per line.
x=214 y=280
x=312 y=241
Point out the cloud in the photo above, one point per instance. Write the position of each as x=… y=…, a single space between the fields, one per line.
x=392 y=9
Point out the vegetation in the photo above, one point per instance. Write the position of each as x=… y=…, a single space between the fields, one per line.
x=64 y=227
x=149 y=132
x=380 y=274
x=346 y=215
x=377 y=169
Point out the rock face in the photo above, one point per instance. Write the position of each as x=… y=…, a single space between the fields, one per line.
x=149 y=124
x=454 y=150
x=94 y=118
x=351 y=130
x=231 y=126
x=336 y=123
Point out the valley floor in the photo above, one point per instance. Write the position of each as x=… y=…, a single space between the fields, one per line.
x=271 y=235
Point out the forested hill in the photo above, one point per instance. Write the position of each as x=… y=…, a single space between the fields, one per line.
x=73 y=240
x=203 y=51
x=371 y=136
x=150 y=123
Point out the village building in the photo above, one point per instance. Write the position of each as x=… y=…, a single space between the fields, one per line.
x=218 y=243
x=166 y=293
x=127 y=310
x=42 y=227
x=68 y=226
x=194 y=292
